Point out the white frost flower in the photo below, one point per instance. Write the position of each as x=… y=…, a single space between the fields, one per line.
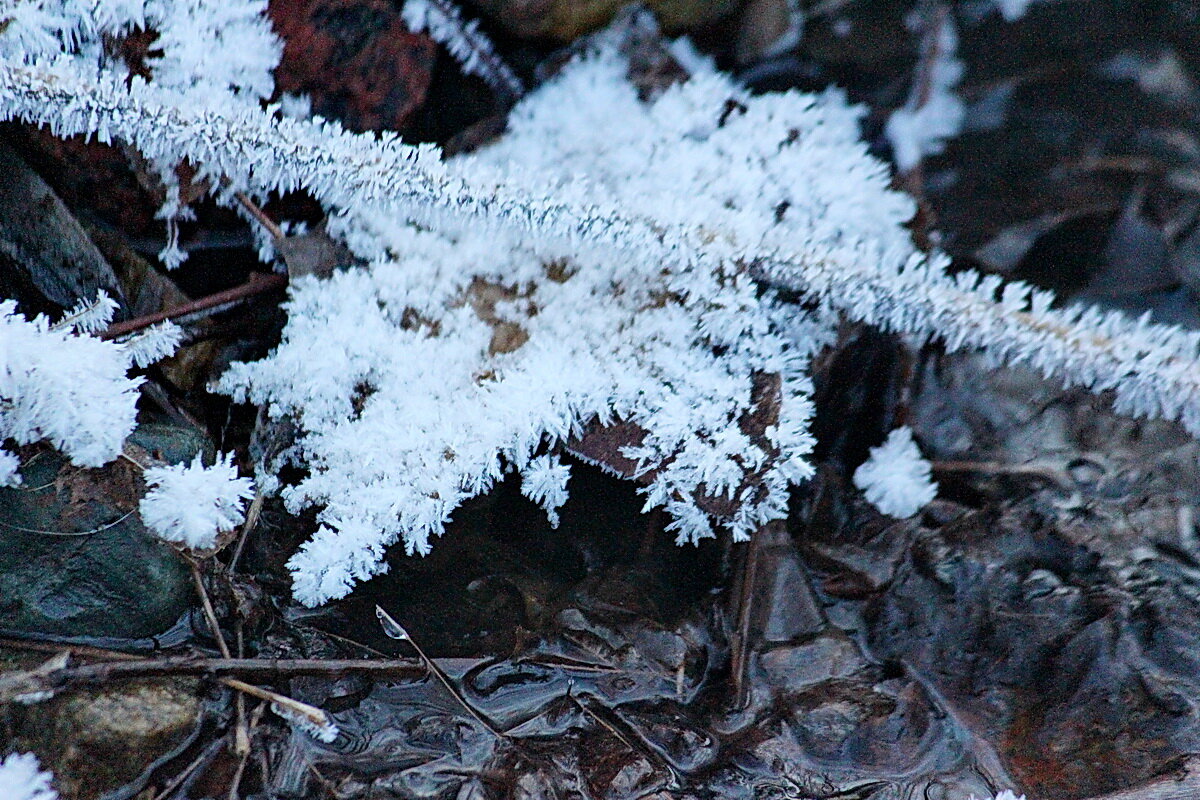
x=22 y=779
x=191 y=504
x=895 y=478
x=544 y=481
x=69 y=389
x=155 y=343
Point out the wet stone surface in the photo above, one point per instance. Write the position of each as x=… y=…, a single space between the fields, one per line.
x=101 y=741
x=75 y=559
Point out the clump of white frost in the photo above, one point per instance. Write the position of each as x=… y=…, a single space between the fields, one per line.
x=1012 y=10
x=9 y=464
x=191 y=504
x=152 y=344
x=523 y=345
x=581 y=277
x=204 y=46
x=89 y=316
x=896 y=478
x=209 y=50
x=70 y=389
x=544 y=481
x=21 y=778
x=933 y=113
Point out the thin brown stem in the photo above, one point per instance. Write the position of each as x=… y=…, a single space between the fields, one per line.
x=744 y=599
x=179 y=779
x=252 y=515
x=209 y=613
x=394 y=630
x=258 y=283
x=241 y=731
x=261 y=216
x=236 y=782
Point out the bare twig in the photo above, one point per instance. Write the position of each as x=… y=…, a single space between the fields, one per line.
x=636 y=743
x=241 y=731
x=743 y=597
x=310 y=718
x=179 y=779
x=209 y=613
x=258 y=283
x=395 y=630
x=252 y=515
x=236 y=782
x=259 y=215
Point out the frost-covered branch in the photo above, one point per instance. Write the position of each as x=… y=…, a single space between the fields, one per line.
x=1153 y=368
x=578 y=285
x=443 y=21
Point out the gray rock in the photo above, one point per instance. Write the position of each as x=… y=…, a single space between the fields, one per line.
x=75 y=559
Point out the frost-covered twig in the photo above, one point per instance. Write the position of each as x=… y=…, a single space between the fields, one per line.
x=443 y=21
x=579 y=279
x=344 y=170
x=903 y=291
x=88 y=316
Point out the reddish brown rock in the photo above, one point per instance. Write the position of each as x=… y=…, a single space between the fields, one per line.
x=355 y=59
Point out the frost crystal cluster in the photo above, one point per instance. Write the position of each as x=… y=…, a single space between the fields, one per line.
x=209 y=50
x=603 y=280
x=895 y=479
x=22 y=779
x=204 y=47
x=60 y=385
x=191 y=504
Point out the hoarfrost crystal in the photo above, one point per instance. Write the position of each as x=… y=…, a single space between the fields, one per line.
x=606 y=288
x=191 y=504
x=66 y=388
x=22 y=779
x=895 y=478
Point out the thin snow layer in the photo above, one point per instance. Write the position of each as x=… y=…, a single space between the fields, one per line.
x=459 y=354
x=190 y=504
x=22 y=779
x=896 y=479
x=64 y=387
